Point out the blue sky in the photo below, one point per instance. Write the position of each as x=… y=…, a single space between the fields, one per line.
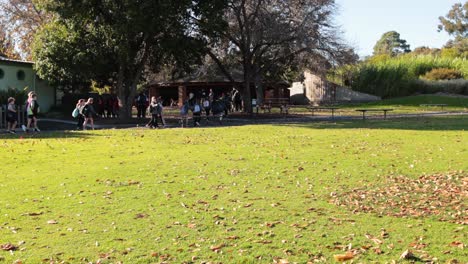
x=365 y=21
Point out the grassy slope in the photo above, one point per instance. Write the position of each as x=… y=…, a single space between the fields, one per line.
x=142 y=196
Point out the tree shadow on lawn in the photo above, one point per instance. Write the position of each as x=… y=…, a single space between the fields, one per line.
x=46 y=135
x=447 y=123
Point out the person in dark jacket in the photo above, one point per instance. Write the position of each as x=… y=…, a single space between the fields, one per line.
x=88 y=112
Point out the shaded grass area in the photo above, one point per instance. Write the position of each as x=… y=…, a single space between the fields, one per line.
x=249 y=194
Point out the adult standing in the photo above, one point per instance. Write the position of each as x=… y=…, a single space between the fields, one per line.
x=141 y=104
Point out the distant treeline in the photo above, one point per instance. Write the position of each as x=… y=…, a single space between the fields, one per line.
x=406 y=74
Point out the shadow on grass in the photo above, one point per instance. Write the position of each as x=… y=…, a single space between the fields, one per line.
x=439 y=123
x=46 y=135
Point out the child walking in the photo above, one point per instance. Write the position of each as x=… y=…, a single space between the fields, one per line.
x=11 y=116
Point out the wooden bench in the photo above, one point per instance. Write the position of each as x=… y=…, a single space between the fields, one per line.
x=364 y=111
x=434 y=105
x=281 y=103
x=313 y=109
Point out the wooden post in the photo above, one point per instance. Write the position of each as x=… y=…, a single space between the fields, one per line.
x=1 y=116
x=182 y=95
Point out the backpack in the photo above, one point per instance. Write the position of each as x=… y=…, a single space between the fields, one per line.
x=76 y=112
x=33 y=108
x=184 y=109
x=196 y=108
x=158 y=109
x=142 y=100
x=206 y=104
x=85 y=110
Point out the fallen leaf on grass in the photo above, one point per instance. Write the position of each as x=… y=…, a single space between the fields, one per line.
x=8 y=247
x=217 y=247
x=280 y=261
x=141 y=215
x=441 y=195
x=457 y=244
x=344 y=257
x=33 y=214
x=409 y=256
x=133 y=182
x=52 y=222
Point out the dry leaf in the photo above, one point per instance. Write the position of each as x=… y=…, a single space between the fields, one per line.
x=8 y=247
x=344 y=257
x=217 y=247
x=457 y=244
x=52 y=222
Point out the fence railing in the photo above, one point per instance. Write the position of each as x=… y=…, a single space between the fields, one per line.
x=20 y=112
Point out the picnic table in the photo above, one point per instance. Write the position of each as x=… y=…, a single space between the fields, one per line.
x=313 y=109
x=364 y=111
x=281 y=103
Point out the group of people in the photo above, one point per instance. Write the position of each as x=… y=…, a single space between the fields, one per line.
x=84 y=112
x=108 y=106
x=206 y=103
x=32 y=110
x=155 y=109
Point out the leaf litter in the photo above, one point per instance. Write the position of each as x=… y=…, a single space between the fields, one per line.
x=443 y=195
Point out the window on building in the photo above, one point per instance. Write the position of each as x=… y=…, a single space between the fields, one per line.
x=20 y=75
x=2 y=73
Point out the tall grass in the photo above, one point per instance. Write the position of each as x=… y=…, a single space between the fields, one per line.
x=391 y=77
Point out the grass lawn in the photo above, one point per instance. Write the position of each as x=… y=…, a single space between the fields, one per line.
x=251 y=194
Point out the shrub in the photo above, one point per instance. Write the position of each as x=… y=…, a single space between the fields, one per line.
x=19 y=95
x=443 y=74
x=458 y=86
x=394 y=77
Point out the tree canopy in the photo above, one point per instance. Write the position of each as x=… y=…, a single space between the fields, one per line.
x=115 y=40
x=391 y=44
x=272 y=38
x=456 y=21
x=20 y=20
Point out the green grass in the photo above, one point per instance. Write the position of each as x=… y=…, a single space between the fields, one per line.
x=247 y=194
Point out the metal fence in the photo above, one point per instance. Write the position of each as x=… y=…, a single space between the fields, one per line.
x=21 y=115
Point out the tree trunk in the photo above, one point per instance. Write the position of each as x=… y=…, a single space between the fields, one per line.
x=126 y=107
x=246 y=95
x=259 y=89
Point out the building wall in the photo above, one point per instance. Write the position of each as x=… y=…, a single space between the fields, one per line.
x=10 y=77
x=319 y=90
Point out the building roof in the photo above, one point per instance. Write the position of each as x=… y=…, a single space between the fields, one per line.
x=4 y=59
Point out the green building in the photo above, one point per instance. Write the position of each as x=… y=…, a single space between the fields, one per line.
x=20 y=75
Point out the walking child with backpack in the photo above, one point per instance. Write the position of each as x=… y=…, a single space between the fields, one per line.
x=155 y=109
x=88 y=112
x=207 y=107
x=32 y=109
x=197 y=110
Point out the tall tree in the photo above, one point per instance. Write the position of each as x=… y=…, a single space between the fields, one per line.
x=120 y=38
x=270 y=37
x=391 y=44
x=456 y=21
x=7 y=48
x=20 y=20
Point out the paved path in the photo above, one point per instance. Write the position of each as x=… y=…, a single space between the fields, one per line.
x=234 y=120
x=52 y=124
